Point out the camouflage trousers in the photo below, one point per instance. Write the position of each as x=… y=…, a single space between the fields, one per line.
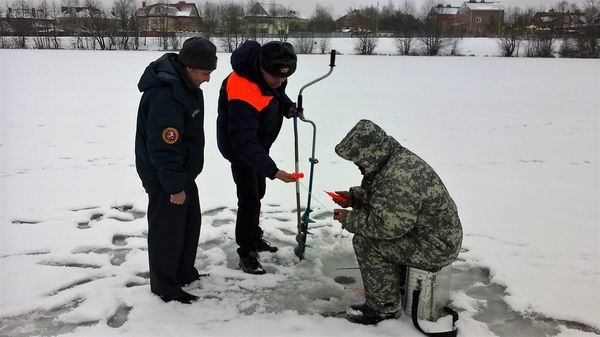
x=381 y=263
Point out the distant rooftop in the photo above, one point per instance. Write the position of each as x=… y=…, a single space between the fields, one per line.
x=445 y=10
x=483 y=6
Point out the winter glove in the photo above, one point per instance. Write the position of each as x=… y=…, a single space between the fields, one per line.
x=340 y=214
x=347 y=202
x=293 y=111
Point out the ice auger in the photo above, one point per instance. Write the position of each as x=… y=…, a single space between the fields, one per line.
x=305 y=219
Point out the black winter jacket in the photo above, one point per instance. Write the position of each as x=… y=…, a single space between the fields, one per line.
x=169 y=140
x=250 y=113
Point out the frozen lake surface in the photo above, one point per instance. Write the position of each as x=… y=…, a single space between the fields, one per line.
x=517 y=142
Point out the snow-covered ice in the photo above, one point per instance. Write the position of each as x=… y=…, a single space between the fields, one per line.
x=517 y=142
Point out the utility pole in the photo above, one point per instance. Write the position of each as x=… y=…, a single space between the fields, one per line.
x=377 y=19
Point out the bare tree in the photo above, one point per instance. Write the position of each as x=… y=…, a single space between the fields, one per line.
x=541 y=42
x=433 y=45
x=96 y=24
x=3 y=29
x=163 y=25
x=324 y=45
x=432 y=38
x=371 y=14
x=123 y=12
x=508 y=44
x=232 y=26
x=304 y=44
x=365 y=43
x=210 y=17
x=18 y=17
x=510 y=41
x=387 y=18
x=408 y=7
x=540 y=45
x=37 y=30
x=562 y=6
x=43 y=27
x=54 y=14
x=586 y=44
x=135 y=27
x=365 y=38
x=321 y=20
x=407 y=27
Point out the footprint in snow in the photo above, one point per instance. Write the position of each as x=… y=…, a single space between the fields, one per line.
x=46 y=322
x=25 y=221
x=213 y=211
x=95 y=217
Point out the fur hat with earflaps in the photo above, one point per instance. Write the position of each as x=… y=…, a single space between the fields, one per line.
x=278 y=58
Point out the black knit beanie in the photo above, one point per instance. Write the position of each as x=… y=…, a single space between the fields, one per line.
x=278 y=58
x=199 y=53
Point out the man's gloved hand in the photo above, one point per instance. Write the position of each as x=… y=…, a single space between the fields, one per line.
x=295 y=112
x=347 y=196
x=284 y=176
x=340 y=214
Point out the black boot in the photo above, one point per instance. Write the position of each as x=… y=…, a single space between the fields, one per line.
x=249 y=263
x=179 y=296
x=194 y=284
x=263 y=245
x=363 y=314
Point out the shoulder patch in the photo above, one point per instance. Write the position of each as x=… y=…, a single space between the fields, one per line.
x=170 y=135
x=242 y=89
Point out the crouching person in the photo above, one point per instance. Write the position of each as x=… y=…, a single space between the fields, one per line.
x=402 y=215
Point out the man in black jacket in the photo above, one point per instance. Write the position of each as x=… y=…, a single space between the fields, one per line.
x=252 y=104
x=169 y=150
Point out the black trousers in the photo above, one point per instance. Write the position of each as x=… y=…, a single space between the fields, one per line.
x=250 y=190
x=173 y=233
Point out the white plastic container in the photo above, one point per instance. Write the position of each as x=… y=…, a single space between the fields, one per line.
x=434 y=292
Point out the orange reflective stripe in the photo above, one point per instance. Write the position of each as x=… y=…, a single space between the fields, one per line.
x=244 y=90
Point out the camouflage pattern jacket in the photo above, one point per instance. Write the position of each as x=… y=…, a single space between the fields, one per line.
x=401 y=199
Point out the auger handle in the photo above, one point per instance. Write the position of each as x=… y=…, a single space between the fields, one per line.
x=331 y=65
x=332 y=59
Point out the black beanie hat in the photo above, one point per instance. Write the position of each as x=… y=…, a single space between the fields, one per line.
x=278 y=58
x=199 y=53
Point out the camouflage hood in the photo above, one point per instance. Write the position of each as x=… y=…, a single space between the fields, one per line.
x=368 y=146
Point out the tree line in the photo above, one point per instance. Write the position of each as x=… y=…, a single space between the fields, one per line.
x=415 y=30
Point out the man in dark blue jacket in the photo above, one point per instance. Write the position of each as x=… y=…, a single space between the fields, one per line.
x=252 y=104
x=169 y=151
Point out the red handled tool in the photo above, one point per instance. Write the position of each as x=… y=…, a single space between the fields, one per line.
x=297 y=175
x=336 y=197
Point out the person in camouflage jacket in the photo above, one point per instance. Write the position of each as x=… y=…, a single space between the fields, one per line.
x=402 y=215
